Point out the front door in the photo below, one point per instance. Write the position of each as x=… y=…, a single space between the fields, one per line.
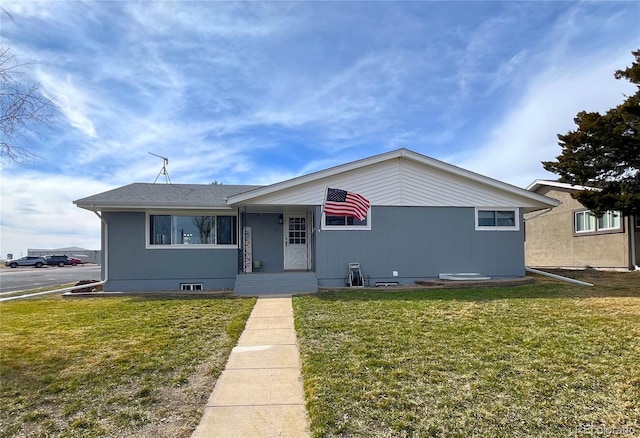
x=295 y=241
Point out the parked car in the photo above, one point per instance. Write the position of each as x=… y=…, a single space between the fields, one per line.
x=74 y=261
x=38 y=262
x=59 y=260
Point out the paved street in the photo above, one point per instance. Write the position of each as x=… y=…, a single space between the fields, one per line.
x=24 y=278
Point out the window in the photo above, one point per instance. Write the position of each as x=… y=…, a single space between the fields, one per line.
x=297 y=230
x=192 y=230
x=609 y=221
x=587 y=222
x=330 y=222
x=501 y=219
x=637 y=221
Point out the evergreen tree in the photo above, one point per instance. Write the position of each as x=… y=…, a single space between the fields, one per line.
x=604 y=153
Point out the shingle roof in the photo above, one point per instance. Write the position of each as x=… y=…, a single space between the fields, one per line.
x=163 y=195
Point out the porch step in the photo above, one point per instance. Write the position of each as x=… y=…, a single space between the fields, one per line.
x=261 y=283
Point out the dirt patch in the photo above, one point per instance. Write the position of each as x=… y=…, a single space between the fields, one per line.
x=175 y=421
x=629 y=279
x=465 y=284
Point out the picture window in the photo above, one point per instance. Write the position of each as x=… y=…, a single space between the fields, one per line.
x=179 y=230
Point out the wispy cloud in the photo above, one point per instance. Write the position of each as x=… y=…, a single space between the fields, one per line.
x=73 y=103
x=526 y=135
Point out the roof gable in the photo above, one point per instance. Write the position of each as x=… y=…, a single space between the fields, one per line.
x=398 y=178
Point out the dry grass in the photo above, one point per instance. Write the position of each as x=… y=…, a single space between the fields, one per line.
x=115 y=367
x=540 y=360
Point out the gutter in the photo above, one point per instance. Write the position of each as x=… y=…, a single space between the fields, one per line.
x=557 y=277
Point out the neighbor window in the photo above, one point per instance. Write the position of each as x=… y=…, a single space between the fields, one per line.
x=587 y=222
x=609 y=221
x=637 y=221
x=330 y=222
x=497 y=219
x=192 y=230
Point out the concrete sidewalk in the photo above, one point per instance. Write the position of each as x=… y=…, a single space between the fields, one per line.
x=259 y=393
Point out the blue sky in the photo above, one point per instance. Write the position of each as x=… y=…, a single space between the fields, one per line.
x=258 y=92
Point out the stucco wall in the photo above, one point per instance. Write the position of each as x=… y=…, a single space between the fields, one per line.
x=550 y=241
x=418 y=242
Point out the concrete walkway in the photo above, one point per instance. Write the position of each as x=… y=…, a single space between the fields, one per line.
x=259 y=393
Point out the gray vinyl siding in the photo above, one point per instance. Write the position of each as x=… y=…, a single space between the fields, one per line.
x=132 y=267
x=418 y=242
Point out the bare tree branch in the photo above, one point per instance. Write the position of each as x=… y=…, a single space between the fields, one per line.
x=23 y=108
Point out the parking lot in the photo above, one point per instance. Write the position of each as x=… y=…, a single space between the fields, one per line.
x=25 y=278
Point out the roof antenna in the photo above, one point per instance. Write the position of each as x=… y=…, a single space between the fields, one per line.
x=163 y=171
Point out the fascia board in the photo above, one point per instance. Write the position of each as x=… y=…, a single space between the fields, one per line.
x=535 y=185
x=140 y=207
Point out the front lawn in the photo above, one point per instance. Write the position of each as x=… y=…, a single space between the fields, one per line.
x=117 y=367
x=545 y=360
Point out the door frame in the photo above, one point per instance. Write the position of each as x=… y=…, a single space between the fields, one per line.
x=285 y=237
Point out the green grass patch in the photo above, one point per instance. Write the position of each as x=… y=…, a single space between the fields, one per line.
x=121 y=366
x=540 y=360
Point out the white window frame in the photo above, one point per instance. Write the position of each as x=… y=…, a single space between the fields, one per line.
x=609 y=215
x=324 y=226
x=596 y=223
x=182 y=246
x=584 y=213
x=515 y=227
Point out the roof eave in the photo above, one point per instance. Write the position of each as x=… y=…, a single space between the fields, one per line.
x=535 y=185
x=140 y=207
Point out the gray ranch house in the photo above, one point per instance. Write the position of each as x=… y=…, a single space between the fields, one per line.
x=426 y=218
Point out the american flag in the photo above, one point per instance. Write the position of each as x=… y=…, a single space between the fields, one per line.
x=343 y=203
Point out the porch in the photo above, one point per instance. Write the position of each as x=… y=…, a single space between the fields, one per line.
x=275 y=239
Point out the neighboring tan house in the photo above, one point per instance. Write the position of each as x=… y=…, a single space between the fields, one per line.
x=427 y=217
x=570 y=236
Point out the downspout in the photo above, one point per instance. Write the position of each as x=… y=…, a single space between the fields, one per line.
x=239 y=261
x=105 y=250
x=632 y=238
x=557 y=277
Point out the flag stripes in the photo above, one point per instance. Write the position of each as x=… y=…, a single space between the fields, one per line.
x=342 y=203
